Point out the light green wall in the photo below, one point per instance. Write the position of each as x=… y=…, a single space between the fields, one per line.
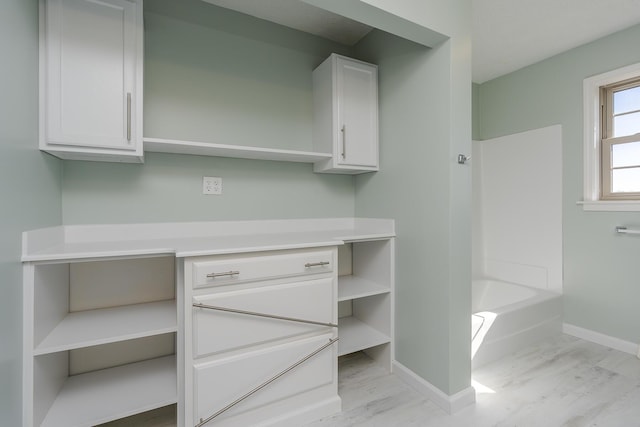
x=29 y=185
x=600 y=268
x=475 y=115
x=425 y=120
x=169 y=188
x=215 y=75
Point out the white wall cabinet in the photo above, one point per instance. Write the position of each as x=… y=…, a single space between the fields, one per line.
x=91 y=56
x=345 y=104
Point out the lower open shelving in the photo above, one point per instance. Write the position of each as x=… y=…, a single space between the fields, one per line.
x=108 y=394
x=356 y=335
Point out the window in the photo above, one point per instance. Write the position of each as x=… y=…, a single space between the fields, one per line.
x=612 y=140
x=620 y=141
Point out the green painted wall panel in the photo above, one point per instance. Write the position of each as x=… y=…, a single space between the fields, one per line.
x=413 y=186
x=30 y=186
x=600 y=274
x=169 y=188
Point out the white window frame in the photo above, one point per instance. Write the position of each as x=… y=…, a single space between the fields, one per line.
x=592 y=134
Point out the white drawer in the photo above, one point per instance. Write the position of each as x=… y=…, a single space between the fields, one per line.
x=215 y=331
x=218 y=383
x=231 y=270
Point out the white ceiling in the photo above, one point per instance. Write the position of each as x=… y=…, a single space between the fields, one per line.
x=507 y=34
x=300 y=16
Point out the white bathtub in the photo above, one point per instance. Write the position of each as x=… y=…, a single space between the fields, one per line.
x=507 y=317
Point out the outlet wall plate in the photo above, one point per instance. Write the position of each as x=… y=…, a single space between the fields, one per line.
x=212 y=185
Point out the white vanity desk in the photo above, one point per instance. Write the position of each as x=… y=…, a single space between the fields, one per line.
x=230 y=320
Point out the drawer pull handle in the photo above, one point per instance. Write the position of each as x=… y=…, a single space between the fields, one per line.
x=267 y=382
x=226 y=273
x=316 y=264
x=270 y=316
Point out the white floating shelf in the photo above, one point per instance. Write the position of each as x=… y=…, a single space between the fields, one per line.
x=106 y=395
x=102 y=326
x=356 y=335
x=225 y=150
x=352 y=287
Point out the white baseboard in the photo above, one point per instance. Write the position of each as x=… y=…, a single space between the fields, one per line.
x=451 y=404
x=602 y=339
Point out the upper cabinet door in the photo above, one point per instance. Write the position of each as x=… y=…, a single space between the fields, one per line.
x=357 y=100
x=91 y=60
x=345 y=102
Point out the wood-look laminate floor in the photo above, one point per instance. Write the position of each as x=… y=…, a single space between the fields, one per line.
x=562 y=381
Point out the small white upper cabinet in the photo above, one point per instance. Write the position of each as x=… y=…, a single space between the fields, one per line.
x=91 y=54
x=345 y=102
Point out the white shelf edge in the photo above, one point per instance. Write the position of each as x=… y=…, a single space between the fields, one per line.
x=109 y=394
x=356 y=335
x=159 y=145
x=352 y=287
x=107 y=325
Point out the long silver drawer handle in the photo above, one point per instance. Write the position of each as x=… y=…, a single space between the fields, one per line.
x=266 y=383
x=226 y=273
x=316 y=264
x=270 y=316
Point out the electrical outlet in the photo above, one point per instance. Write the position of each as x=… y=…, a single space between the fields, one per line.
x=211 y=185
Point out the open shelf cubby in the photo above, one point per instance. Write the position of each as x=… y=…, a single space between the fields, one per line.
x=100 y=339
x=365 y=299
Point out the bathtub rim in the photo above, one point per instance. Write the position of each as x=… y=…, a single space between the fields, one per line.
x=539 y=296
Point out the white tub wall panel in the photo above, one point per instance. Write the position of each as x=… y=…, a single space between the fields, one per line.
x=521 y=206
x=101 y=284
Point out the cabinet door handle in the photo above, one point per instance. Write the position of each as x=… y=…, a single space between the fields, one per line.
x=344 y=141
x=226 y=273
x=267 y=382
x=129 y=116
x=316 y=264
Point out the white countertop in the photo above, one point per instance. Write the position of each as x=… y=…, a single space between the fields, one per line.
x=196 y=238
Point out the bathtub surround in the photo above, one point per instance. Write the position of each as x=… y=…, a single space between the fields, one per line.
x=600 y=285
x=519 y=208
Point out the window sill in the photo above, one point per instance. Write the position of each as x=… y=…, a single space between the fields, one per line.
x=611 y=205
